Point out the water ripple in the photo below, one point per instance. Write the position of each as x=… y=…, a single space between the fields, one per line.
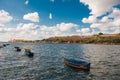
x=47 y=64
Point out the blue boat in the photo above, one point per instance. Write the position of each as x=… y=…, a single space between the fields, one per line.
x=77 y=64
x=28 y=52
x=16 y=47
x=4 y=45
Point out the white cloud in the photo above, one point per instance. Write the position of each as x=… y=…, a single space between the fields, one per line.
x=90 y=19
x=84 y=31
x=1 y=25
x=100 y=7
x=105 y=19
x=33 y=31
x=66 y=26
x=1 y=30
x=34 y=17
x=29 y=26
x=115 y=13
x=26 y=2
x=52 y=0
x=107 y=23
x=78 y=30
x=50 y=16
x=5 y=17
x=61 y=29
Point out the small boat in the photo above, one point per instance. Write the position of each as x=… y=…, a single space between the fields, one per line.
x=77 y=64
x=17 y=49
x=28 y=52
x=4 y=45
x=1 y=46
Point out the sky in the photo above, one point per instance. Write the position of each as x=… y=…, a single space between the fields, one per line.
x=40 y=19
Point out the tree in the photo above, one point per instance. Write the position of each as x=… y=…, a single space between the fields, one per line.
x=100 y=33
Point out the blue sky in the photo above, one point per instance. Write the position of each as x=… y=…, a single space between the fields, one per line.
x=47 y=18
x=62 y=10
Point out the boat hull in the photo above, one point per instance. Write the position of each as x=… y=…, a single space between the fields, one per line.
x=30 y=54
x=77 y=66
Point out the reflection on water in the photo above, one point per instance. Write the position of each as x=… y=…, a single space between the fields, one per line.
x=47 y=63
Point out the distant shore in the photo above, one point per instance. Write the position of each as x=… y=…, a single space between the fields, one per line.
x=94 y=39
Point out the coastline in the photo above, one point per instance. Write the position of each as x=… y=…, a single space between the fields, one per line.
x=94 y=39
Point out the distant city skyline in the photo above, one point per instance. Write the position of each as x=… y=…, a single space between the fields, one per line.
x=39 y=19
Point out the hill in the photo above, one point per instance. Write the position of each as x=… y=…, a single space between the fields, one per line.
x=96 y=39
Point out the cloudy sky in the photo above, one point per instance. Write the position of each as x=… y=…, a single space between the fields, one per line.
x=39 y=19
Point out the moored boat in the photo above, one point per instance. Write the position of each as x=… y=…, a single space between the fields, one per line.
x=28 y=52
x=77 y=64
x=4 y=45
x=1 y=46
x=18 y=49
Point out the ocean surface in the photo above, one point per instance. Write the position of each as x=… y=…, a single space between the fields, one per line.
x=48 y=62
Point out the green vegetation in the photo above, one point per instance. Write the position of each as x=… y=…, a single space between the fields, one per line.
x=22 y=40
x=96 y=39
x=100 y=33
